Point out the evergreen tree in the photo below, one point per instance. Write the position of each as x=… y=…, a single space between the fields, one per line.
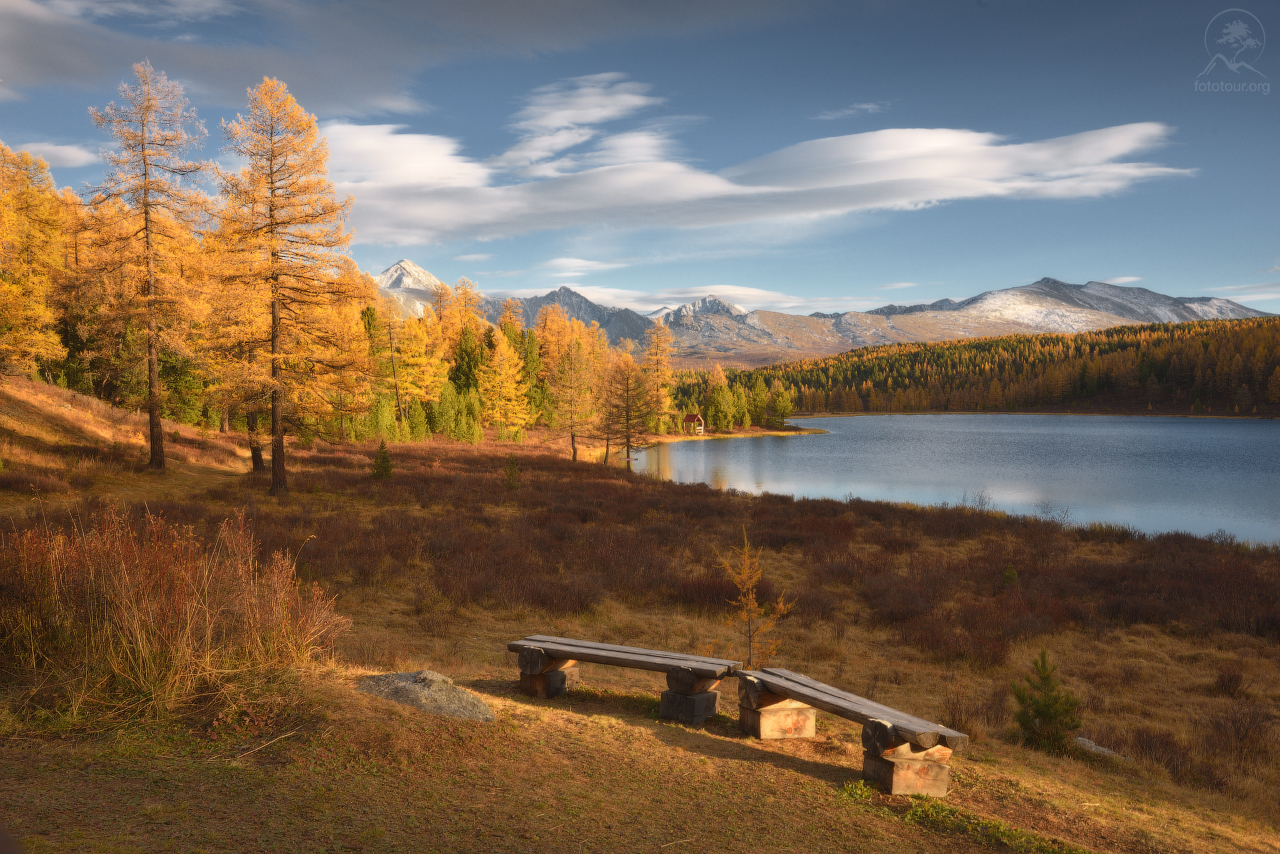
x=1047 y=712
x=382 y=462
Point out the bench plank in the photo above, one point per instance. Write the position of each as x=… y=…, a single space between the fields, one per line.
x=623 y=656
x=536 y=640
x=852 y=707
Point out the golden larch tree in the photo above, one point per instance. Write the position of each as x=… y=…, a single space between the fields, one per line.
x=31 y=254
x=573 y=399
x=657 y=369
x=502 y=389
x=282 y=211
x=148 y=173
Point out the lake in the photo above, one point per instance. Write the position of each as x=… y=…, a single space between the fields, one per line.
x=1199 y=475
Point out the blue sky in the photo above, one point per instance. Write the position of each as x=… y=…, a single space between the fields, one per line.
x=790 y=155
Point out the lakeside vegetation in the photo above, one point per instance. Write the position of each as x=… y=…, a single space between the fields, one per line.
x=1219 y=367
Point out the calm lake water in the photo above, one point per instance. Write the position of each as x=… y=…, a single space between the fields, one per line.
x=1157 y=474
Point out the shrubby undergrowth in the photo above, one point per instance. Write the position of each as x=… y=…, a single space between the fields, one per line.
x=123 y=615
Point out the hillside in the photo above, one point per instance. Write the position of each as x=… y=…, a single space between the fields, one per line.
x=930 y=610
x=1223 y=367
x=712 y=331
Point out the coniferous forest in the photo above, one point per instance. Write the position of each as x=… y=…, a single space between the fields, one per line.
x=1219 y=367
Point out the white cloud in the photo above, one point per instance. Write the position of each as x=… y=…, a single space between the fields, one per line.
x=559 y=117
x=419 y=189
x=475 y=257
x=69 y=156
x=574 y=267
x=896 y=286
x=350 y=58
x=851 y=110
x=1265 y=291
x=1122 y=280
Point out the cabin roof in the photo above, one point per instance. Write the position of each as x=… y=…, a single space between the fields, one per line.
x=692 y=419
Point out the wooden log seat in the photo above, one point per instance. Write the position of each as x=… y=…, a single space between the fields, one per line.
x=547 y=669
x=902 y=754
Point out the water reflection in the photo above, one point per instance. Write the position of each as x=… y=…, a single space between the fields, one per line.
x=1157 y=474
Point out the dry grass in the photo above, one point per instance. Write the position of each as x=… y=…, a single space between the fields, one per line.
x=124 y=617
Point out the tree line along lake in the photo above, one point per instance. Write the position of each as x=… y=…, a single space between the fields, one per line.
x=1199 y=475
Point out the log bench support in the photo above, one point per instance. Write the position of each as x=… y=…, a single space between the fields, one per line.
x=689 y=699
x=901 y=768
x=902 y=754
x=762 y=714
x=547 y=677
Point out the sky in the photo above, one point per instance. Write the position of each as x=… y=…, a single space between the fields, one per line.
x=794 y=155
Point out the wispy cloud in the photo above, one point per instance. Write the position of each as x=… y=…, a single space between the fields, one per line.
x=1264 y=291
x=1122 y=280
x=477 y=257
x=852 y=110
x=575 y=267
x=422 y=189
x=896 y=286
x=68 y=156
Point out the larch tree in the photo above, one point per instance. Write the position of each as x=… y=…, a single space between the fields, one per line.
x=628 y=403
x=657 y=369
x=502 y=388
x=282 y=210
x=571 y=392
x=31 y=253
x=150 y=175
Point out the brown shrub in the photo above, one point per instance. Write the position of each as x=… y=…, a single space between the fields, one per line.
x=140 y=616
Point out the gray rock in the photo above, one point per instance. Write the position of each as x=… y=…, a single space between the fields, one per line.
x=1097 y=749
x=429 y=691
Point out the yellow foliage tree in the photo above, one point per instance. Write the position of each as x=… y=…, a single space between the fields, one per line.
x=31 y=219
x=150 y=178
x=288 y=229
x=573 y=400
x=504 y=393
x=751 y=620
x=657 y=368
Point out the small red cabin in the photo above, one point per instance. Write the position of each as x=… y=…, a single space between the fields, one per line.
x=694 y=424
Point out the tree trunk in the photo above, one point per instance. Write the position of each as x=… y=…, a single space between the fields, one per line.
x=607 y=437
x=224 y=423
x=255 y=443
x=279 y=483
x=153 y=356
x=573 y=443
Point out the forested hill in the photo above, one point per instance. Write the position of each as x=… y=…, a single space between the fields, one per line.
x=1229 y=367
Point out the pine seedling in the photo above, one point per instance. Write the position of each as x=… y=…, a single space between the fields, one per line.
x=751 y=620
x=382 y=462
x=512 y=473
x=1047 y=712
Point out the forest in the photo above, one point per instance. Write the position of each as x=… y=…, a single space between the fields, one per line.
x=229 y=300
x=1219 y=367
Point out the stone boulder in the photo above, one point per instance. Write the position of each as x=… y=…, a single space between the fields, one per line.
x=429 y=691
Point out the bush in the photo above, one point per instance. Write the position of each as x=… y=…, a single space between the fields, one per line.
x=1047 y=712
x=138 y=616
x=382 y=462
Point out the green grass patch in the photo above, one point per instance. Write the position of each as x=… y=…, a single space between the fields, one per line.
x=991 y=832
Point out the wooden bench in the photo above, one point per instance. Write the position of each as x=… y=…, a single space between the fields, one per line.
x=548 y=669
x=903 y=754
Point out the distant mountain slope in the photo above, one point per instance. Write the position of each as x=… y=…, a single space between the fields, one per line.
x=713 y=330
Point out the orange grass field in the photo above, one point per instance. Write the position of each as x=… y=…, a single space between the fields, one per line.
x=1171 y=643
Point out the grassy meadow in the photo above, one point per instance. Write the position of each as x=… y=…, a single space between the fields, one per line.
x=1171 y=642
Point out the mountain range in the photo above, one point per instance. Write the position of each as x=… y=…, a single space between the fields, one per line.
x=712 y=330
